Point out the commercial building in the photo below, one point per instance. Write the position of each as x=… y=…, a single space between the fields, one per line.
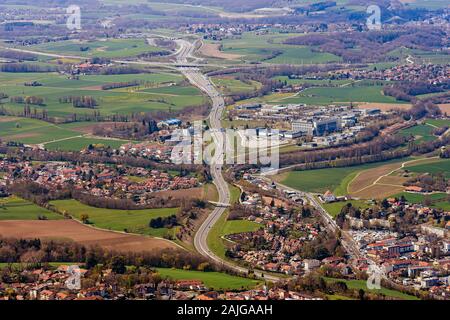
x=316 y=126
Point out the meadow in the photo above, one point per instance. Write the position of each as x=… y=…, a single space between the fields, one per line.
x=77 y=144
x=261 y=48
x=330 y=95
x=321 y=180
x=438 y=122
x=212 y=280
x=14 y=208
x=228 y=85
x=438 y=200
x=53 y=137
x=312 y=81
x=106 y=48
x=215 y=241
x=158 y=93
x=362 y=284
x=440 y=166
x=133 y=221
x=340 y=91
x=240 y=226
x=421 y=133
x=334 y=208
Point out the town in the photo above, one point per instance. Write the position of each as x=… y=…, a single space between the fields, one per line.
x=224 y=150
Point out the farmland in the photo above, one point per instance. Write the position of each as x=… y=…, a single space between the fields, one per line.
x=79 y=143
x=51 y=136
x=313 y=81
x=14 y=208
x=334 y=92
x=213 y=280
x=75 y=231
x=438 y=166
x=437 y=200
x=111 y=48
x=320 y=180
x=229 y=85
x=385 y=180
x=270 y=49
x=132 y=221
x=31 y=131
x=421 y=133
x=155 y=93
x=330 y=95
x=362 y=284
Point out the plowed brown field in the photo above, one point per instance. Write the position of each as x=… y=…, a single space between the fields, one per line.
x=72 y=230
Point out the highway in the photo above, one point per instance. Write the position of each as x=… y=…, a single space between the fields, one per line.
x=200 y=240
x=216 y=164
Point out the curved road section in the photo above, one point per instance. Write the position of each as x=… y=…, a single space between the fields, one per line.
x=201 y=237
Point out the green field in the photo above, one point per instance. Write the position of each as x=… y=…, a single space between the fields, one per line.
x=321 y=180
x=240 y=226
x=260 y=48
x=214 y=240
x=421 y=133
x=335 y=208
x=62 y=137
x=14 y=208
x=438 y=122
x=438 y=200
x=440 y=166
x=31 y=131
x=134 y=221
x=362 y=284
x=313 y=81
x=155 y=94
x=77 y=144
x=233 y=86
x=111 y=48
x=213 y=280
x=329 y=95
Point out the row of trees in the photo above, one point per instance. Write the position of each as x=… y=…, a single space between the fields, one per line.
x=26 y=67
x=116 y=85
x=16 y=55
x=406 y=91
x=41 y=251
x=33 y=100
x=163 y=222
x=80 y=101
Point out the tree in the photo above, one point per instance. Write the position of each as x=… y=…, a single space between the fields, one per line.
x=361 y=294
x=118 y=265
x=85 y=218
x=91 y=260
x=272 y=203
x=205 y=266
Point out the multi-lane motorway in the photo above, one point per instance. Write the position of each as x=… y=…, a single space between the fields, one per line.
x=201 y=237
